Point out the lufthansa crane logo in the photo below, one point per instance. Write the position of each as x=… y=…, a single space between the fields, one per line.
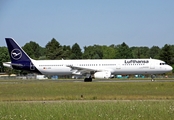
x=16 y=54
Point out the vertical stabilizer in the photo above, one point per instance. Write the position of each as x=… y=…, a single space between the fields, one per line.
x=19 y=59
x=16 y=52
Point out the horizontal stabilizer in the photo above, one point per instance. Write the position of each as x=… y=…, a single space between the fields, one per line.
x=9 y=64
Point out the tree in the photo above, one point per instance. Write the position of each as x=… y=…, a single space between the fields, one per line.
x=154 y=52
x=54 y=50
x=66 y=52
x=32 y=49
x=172 y=53
x=124 y=52
x=140 y=52
x=4 y=57
x=42 y=53
x=93 y=52
x=143 y=52
x=109 y=52
x=135 y=52
x=166 y=54
x=76 y=52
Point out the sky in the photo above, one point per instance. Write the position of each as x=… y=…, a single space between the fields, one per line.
x=88 y=22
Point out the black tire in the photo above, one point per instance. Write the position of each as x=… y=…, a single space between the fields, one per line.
x=88 y=80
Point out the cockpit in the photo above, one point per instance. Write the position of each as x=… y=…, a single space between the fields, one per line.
x=163 y=63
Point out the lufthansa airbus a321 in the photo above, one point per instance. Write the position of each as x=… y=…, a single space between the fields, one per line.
x=96 y=68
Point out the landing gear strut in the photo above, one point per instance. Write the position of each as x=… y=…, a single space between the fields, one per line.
x=152 y=78
x=88 y=79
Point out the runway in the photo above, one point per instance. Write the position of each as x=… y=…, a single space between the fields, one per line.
x=116 y=80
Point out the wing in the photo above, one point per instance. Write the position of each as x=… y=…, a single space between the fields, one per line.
x=76 y=70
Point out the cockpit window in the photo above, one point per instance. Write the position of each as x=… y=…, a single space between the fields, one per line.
x=162 y=63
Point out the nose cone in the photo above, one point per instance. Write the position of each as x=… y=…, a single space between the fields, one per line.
x=169 y=68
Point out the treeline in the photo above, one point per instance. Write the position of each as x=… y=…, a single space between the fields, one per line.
x=55 y=51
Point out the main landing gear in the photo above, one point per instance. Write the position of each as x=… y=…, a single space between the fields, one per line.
x=152 y=78
x=89 y=79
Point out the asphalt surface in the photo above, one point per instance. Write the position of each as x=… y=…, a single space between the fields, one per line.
x=114 y=80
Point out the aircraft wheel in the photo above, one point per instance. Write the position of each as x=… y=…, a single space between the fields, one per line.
x=152 y=78
x=88 y=80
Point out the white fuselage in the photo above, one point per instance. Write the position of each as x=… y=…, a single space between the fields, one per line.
x=115 y=66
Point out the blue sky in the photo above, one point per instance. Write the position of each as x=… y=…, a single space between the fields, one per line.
x=88 y=22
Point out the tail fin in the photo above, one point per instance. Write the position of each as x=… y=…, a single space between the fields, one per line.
x=16 y=52
x=19 y=59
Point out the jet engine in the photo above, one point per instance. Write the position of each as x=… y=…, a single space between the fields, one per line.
x=101 y=75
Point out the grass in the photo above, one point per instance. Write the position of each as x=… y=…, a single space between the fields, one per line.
x=91 y=110
x=52 y=100
x=53 y=90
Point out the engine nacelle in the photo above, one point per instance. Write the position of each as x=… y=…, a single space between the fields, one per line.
x=101 y=75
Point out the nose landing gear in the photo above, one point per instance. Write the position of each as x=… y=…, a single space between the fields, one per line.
x=152 y=78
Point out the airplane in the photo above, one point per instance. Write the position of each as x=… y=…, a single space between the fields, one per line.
x=92 y=68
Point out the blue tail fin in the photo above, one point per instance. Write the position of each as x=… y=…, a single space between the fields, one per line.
x=16 y=52
x=19 y=59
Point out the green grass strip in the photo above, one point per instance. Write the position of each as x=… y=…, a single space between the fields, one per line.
x=89 y=110
x=23 y=90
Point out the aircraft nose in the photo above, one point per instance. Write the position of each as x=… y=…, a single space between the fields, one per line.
x=169 y=68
